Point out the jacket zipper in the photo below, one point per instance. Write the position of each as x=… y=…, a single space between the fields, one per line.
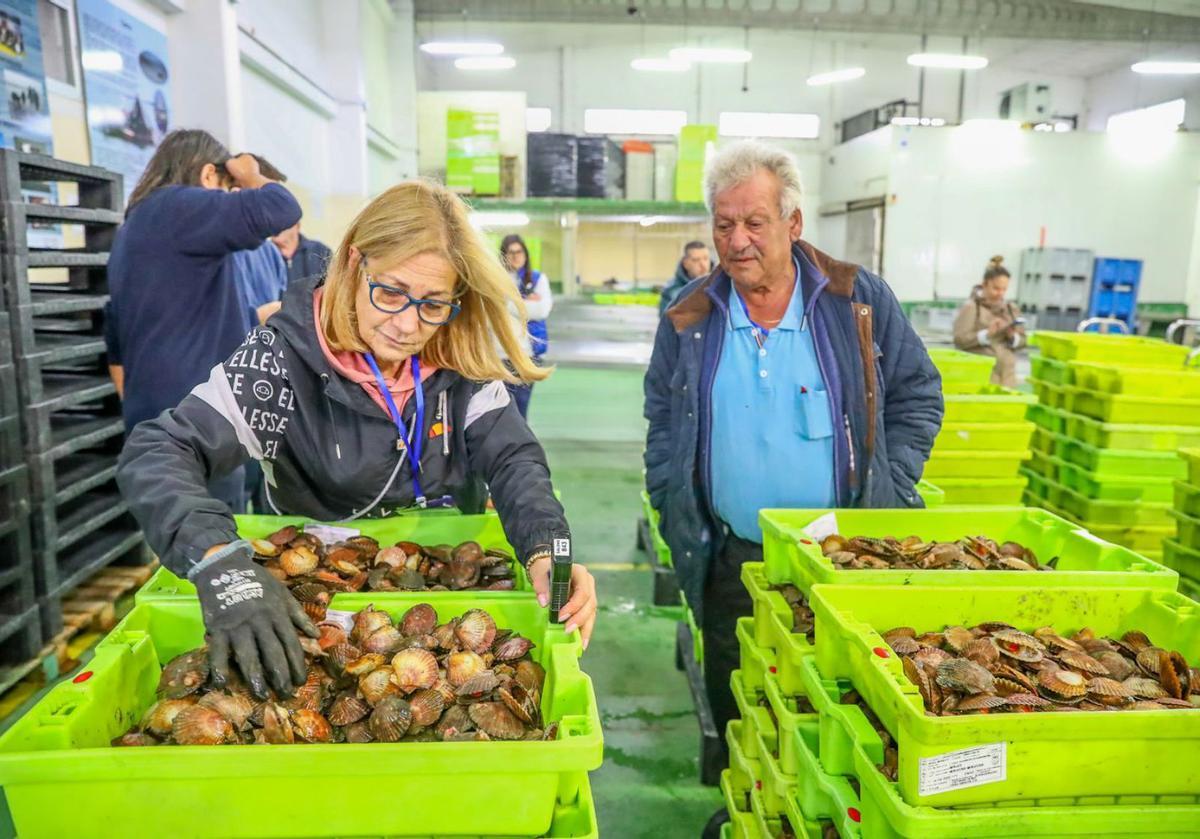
x=849 y=446
x=337 y=446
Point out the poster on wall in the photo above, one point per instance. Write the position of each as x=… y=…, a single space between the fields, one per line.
x=25 y=111
x=125 y=79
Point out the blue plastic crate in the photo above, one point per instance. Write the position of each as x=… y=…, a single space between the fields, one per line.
x=1115 y=287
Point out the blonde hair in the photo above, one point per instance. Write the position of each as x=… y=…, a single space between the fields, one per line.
x=417 y=217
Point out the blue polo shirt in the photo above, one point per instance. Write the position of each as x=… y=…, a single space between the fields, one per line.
x=772 y=433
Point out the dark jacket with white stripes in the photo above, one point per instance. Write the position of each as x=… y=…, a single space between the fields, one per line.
x=328 y=451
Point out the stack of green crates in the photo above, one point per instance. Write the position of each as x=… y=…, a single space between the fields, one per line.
x=804 y=760
x=1182 y=550
x=985 y=435
x=1112 y=411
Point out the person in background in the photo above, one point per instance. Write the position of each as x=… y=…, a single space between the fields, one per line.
x=176 y=306
x=376 y=388
x=261 y=272
x=988 y=324
x=535 y=291
x=694 y=264
x=305 y=257
x=786 y=378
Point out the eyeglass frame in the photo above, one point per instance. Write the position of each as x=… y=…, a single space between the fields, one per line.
x=455 y=308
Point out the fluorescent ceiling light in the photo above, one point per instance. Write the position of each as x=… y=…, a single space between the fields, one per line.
x=834 y=76
x=486 y=62
x=711 y=55
x=632 y=121
x=498 y=218
x=660 y=65
x=462 y=48
x=947 y=61
x=537 y=119
x=905 y=121
x=1167 y=68
x=784 y=126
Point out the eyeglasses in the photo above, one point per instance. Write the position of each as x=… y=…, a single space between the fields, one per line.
x=514 y=251
x=392 y=301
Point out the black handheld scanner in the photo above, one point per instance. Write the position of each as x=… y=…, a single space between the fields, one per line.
x=560 y=573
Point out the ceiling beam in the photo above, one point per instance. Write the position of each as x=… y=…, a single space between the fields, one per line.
x=1024 y=19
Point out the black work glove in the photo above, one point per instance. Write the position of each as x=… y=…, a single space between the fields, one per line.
x=245 y=608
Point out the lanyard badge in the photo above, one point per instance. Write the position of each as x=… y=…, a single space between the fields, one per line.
x=410 y=448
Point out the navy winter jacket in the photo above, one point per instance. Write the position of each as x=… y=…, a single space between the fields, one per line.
x=885 y=397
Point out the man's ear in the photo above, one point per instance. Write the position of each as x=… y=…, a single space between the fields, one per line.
x=796 y=226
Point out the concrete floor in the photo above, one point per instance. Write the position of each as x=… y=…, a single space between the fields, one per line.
x=589 y=421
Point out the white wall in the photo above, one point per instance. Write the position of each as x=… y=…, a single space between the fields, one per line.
x=293 y=28
x=956 y=196
x=1123 y=90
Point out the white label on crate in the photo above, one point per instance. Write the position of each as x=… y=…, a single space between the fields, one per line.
x=964 y=768
x=330 y=533
x=826 y=525
x=342 y=618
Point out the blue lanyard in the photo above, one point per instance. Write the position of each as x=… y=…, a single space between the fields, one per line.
x=411 y=443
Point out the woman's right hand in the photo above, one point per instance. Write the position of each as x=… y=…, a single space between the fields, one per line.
x=249 y=612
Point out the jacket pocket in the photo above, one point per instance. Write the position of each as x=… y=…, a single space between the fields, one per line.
x=812 y=414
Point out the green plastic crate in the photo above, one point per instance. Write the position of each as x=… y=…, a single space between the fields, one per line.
x=767 y=824
x=1117 y=436
x=882 y=814
x=737 y=803
x=1106 y=487
x=1148 y=410
x=1187 y=498
x=961 y=369
x=776 y=784
x=988 y=403
x=806 y=827
x=982 y=491
x=1118 y=462
x=689 y=617
x=1187 y=528
x=753 y=714
x=1050 y=395
x=1183 y=559
x=819 y=795
x=1191 y=457
x=1049 y=755
x=756 y=661
x=657 y=543
x=1042 y=441
x=765 y=603
x=1043 y=416
x=983 y=436
x=1051 y=371
x=791 y=722
x=1113 y=349
x=1045 y=465
x=59 y=751
x=420 y=528
x=792 y=555
x=1107 y=513
x=744 y=770
x=966 y=464
x=930 y=494
x=1036 y=488
x=1183 y=383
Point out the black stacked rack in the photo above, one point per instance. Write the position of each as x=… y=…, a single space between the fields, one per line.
x=20 y=626
x=72 y=424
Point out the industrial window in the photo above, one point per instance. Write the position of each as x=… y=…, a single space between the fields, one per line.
x=782 y=126
x=633 y=121
x=537 y=119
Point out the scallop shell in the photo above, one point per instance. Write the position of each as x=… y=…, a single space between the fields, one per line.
x=341 y=655
x=414 y=669
x=1173 y=675
x=462 y=666
x=1082 y=661
x=1064 y=684
x=160 y=716
x=235 y=707
x=277 y=724
x=1119 y=667
x=513 y=648
x=377 y=685
x=310 y=695
x=1055 y=642
x=185 y=674
x=344 y=556
x=1018 y=645
x=476 y=630
x=482 y=682
x=1136 y=640
x=200 y=726
x=311 y=593
x=368 y=621
x=1147 y=705
x=1102 y=686
x=284 y=535
x=904 y=645
x=833 y=543
x=456 y=718
x=331 y=635
x=982 y=651
x=964 y=676
x=427 y=706
x=419 y=620
x=1144 y=688
x=496 y=720
x=359 y=732
x=298 y=561
x=311 y=727
x=446 y=637
x=347 y=708
x=530 y=675
x=392 y=557
x=390 y=720
x=364 y=664
x=385 y=641
x=134 y=738
x=522 y=704
x=316 y=612
x=980 y=702
x=1150 y=660
x=1026 y=700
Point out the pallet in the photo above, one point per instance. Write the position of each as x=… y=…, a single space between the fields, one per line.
x=712 y=746
x=118 y=544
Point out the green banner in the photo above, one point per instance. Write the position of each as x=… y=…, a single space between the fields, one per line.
x=694 y=141
x=473 y=152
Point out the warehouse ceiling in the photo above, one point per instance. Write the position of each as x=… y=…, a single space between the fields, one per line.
x=1111 y=20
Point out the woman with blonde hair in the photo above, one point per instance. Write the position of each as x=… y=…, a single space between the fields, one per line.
x=375 y=389
x=990 y=325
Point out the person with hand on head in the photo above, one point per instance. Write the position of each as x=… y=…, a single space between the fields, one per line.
x=988 y=324
x=175 y=306
x=693 y=265
x=377 y=388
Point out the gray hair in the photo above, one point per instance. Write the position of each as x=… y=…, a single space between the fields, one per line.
x=738 y=162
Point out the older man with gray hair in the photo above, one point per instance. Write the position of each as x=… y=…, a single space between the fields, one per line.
x=786 y=378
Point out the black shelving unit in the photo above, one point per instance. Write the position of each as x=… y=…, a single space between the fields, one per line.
x=71 y=424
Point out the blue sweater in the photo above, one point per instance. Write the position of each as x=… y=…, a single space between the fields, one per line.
x=176 y=309
x=262 y=275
